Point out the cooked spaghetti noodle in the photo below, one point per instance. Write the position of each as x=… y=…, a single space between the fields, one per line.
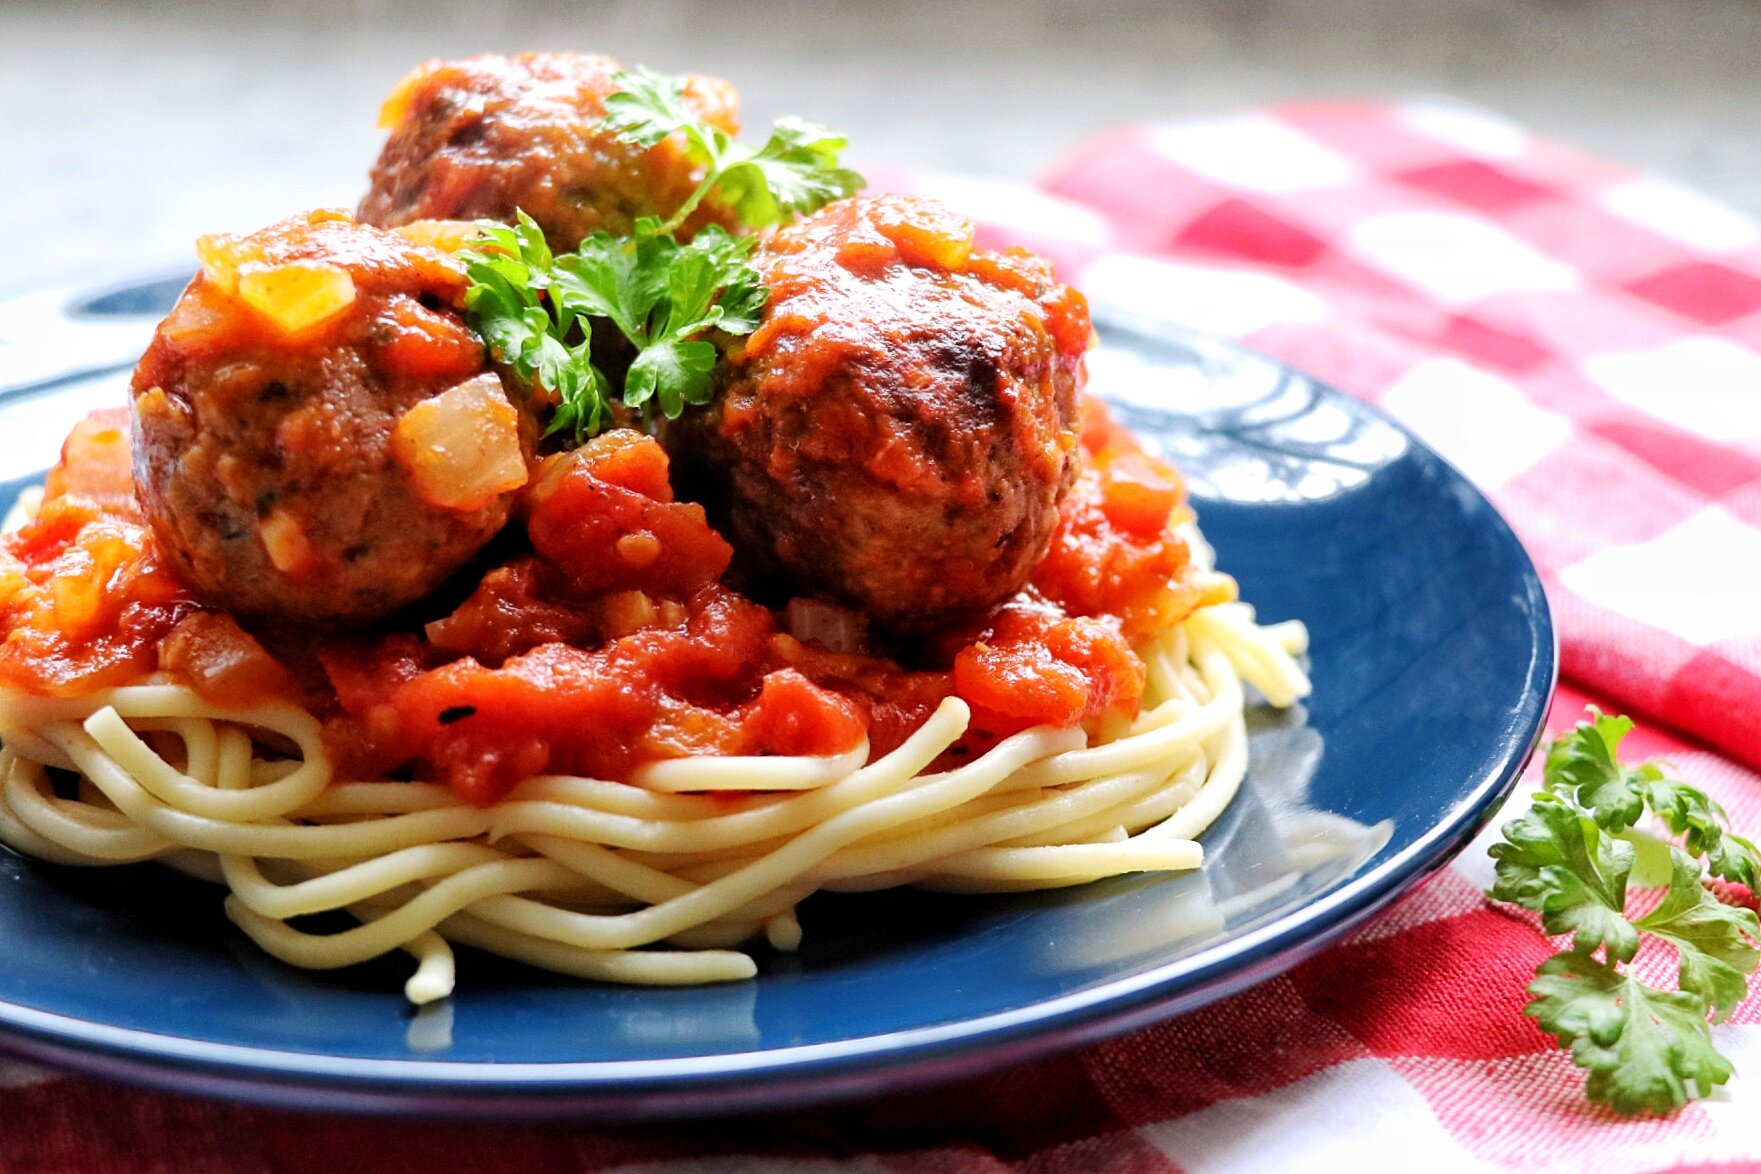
x=577 y=875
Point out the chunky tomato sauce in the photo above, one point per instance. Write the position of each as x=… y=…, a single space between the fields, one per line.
x=84 y=596
x=605 y=638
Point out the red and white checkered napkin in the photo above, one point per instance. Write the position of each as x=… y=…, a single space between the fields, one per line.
x=1583 y=342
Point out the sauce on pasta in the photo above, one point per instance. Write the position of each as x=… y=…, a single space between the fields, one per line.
x=607 y=641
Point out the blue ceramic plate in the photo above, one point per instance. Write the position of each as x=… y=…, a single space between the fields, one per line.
x=1433 y=660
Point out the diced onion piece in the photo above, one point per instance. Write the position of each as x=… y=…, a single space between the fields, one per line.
x=96 y=460
x=936 y=238
x=449 y=236
x=76 y=600
x=834 y=628
x=90 y=583
x=638 y=549
x=219 y=254
x=194 y=321
x=299 y=295
x=222 y=661
x=927 y=248
x=624 y=612
x=461 y=448
x=285 y=542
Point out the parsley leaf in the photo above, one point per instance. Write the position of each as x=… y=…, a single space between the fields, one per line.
x=1586 y=762
x=1716 y=943
x=1646 y=1050
x=1569 y=858
x=662 y=295
x=649 y=105
x=794 y=173
x=532 y=335
x=1561 y=866
x=536 y=312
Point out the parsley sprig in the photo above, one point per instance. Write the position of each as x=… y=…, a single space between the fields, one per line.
x=793 y=173
x=531 y=334
x=1570 y=858
x=535 y=311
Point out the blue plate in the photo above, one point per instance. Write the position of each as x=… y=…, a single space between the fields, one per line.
x=1433 y=661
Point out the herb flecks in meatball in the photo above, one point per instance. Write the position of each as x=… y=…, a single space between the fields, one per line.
x=897 y=433
x=316 y=436
x=481 y=137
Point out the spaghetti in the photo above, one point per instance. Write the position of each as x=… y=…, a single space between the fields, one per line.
x=578 y=875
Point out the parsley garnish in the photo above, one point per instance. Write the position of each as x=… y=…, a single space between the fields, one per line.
x=1569 y=859
x=661 y=295
x=525 y=331
x=535 y=312
x=795 y=172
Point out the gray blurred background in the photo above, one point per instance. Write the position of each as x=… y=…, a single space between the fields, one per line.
x=128 y=128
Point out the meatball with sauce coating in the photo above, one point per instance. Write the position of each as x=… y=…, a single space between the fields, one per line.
x=898 y=432
x=481 y=137
x=316 y=436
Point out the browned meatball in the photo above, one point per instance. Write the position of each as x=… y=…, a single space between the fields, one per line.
x=897 y=433
x=480 y=137
x=316 y=435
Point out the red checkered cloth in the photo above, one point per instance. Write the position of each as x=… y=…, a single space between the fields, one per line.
x=1585 y=343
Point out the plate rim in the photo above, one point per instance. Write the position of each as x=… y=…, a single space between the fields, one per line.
x=806 y=1074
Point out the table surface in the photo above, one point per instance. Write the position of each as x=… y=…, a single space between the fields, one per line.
x=132 y=127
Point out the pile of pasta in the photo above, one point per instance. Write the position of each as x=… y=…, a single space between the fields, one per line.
x=653 y=883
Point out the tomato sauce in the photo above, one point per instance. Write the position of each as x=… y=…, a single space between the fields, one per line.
x=607 y=639
x=84 y=595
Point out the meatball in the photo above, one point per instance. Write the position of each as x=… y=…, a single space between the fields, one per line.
x=480 y=137
x=897 y=433
x=316 y=437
